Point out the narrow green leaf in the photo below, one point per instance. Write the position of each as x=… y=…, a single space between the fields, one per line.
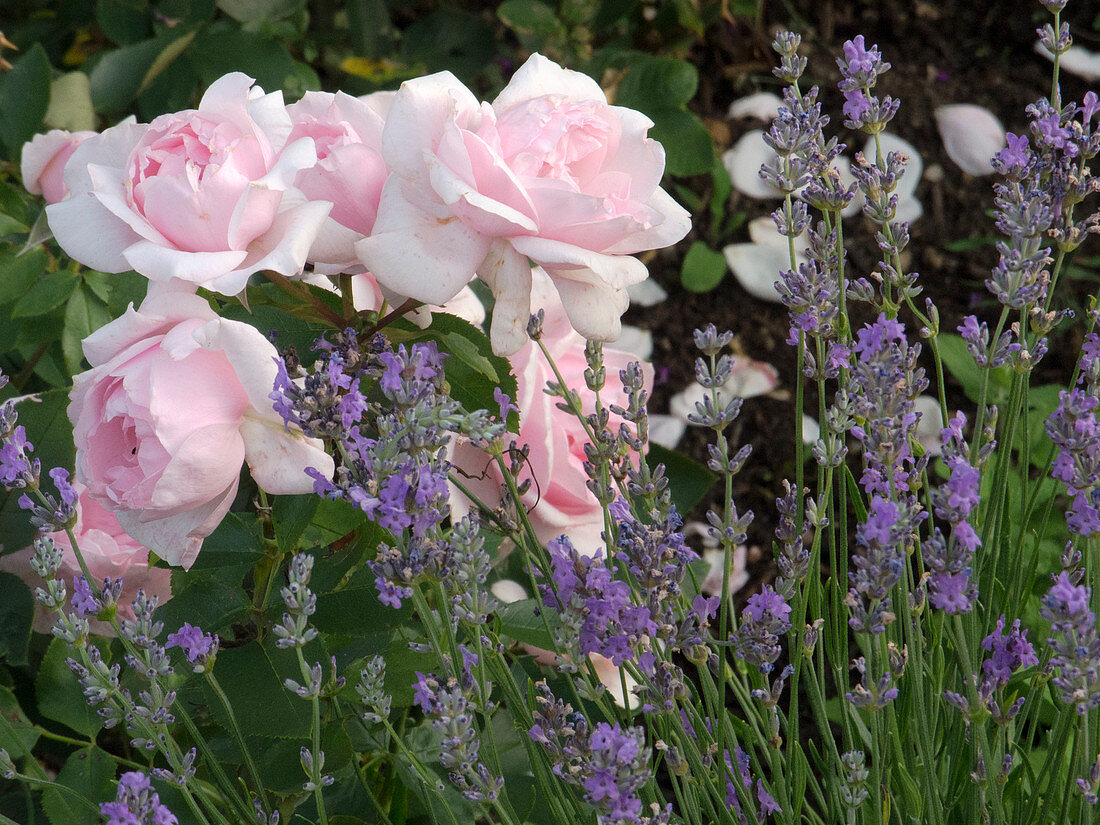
x=84 y=314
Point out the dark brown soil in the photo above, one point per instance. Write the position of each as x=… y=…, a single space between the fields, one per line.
x=941 y=52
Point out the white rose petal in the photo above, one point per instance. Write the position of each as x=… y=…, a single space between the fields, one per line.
x=666 y=430
x=762 y=106
x=1076 y=60
x=646 y=293
x=743 y=163
x=971 y=136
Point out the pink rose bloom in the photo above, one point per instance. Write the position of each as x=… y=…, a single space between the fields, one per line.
x=175 y=402
x=347 y=133
x=204 y=195
x=549 y=172
x=43 y=162
x=109 y=553
x=558 y=500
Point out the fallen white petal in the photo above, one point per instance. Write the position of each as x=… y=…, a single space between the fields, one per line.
x=844 y=169
x=908 y=208
x=743 y=163
x=634 y=341
x=811 y=430
x=757 y=266
x=1076 y=60
x=748 y=379
x=762 y=106
x=666 y=430
x=508 y=591
x=929 y=426
x=971 y=136
x=646 y=293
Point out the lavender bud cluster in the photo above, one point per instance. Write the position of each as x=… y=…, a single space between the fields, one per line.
x=607 y=762
x=1076 y=644
x=860 y=69
x=18 y=471
x=951 y=587
x=447 y=704
x=136 y=803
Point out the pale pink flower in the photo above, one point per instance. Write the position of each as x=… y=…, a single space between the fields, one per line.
x=43 y=162
x=549 y=172
x=109 y=553
x=175 y=402
x=349 y=173
x=204 y=195
x=558 y=501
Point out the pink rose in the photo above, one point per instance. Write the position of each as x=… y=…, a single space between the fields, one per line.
x=549 y=172
x=44 y=159
x=204 y=195
x=558 y=500
x=175 y=402
x=347 y=133
x=109 y=553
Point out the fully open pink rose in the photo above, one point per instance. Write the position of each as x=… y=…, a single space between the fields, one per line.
x=347 y=134
x=43 y=162
x=549 y=172
x=109 y=553
x=558 y=500
x=204 y=195
x=175 y=402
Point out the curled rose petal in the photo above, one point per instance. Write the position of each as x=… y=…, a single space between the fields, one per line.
x=971 y=136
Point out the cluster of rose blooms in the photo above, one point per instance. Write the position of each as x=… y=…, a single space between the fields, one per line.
x=545 y=195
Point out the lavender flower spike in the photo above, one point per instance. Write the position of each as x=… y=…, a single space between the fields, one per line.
x=136 y=803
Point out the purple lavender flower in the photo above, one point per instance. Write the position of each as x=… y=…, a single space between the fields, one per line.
x=1074 y=428
x=1016 y=156
x=1076 y=645
x=17 y=469
x=608 y=762
x=199 y=648
x=860 y=68
x=446 y=704
x=767 y=804
x=1011 y=651
x=597 y=611
x=136 y=803
x=84 y=602
x=765 y=618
